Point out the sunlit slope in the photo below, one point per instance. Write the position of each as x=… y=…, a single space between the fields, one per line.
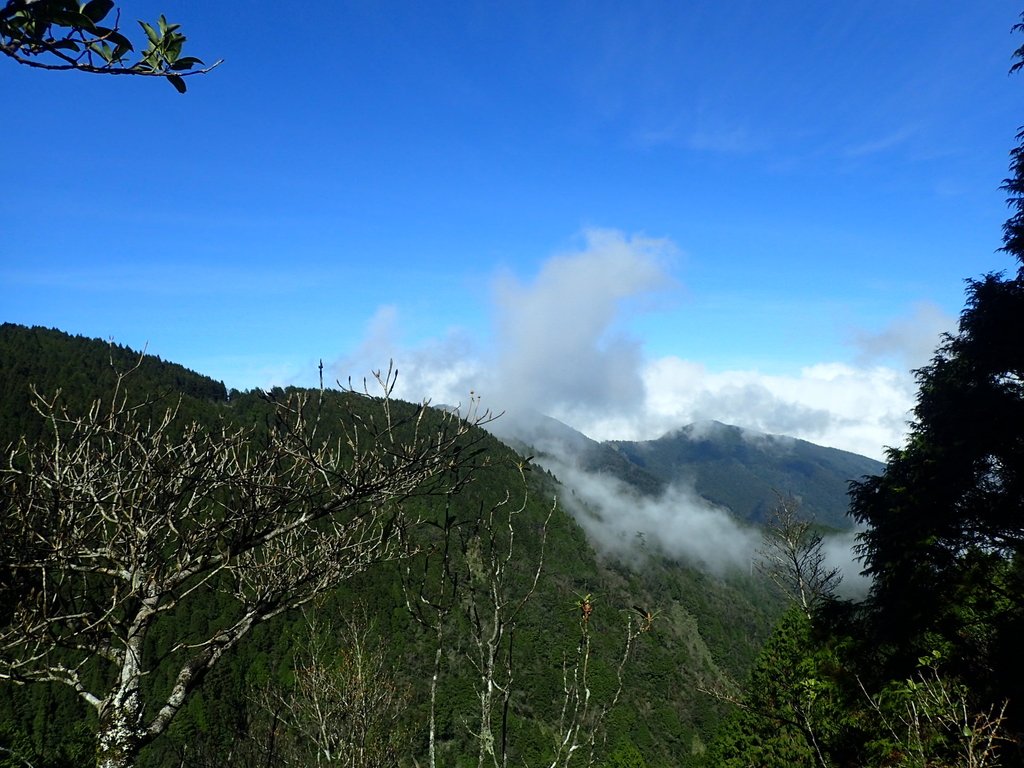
x=705 y=628
x=742 y=470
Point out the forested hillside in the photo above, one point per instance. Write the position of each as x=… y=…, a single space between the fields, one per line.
x=495 y=629
x=687 y=631
x=193 y=576
x=741 y=470
x=81 y=369
x=738 y=469
x=488 y=629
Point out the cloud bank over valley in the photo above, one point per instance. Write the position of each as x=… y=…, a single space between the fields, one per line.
x=680 y=524
x=561 y=343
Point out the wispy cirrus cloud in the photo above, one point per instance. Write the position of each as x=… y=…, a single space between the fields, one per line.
x=880 y=144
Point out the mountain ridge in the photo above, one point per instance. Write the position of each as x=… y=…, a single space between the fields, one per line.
x=709 y=626
x=734 y=467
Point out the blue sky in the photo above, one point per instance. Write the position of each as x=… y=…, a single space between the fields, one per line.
x=761 y=213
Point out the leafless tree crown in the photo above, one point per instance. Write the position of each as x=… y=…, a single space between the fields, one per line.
x=122 y=516
x=793 y=557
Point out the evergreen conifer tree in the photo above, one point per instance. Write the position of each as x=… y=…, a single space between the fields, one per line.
x=946 y=518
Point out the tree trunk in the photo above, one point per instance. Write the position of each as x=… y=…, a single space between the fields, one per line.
x=120 y=732
x=120 y=739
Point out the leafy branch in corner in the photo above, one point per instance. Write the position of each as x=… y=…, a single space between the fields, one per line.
x=68 y=35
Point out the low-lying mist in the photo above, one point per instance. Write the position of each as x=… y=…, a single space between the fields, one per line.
x=677 y=523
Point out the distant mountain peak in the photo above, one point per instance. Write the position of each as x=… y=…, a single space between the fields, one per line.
x=744 y=469
x=710 y=430
x=734 y=467
x=698 y=429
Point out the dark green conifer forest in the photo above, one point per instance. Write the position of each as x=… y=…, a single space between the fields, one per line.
x=686 y=631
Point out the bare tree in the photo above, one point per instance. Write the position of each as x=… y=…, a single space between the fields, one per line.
x=581 y=718
x=120 y=518
x=932 y=722
x=430 y=595
x=491 y=586
x=344 y=706
x=492 y=605
x=793 y=558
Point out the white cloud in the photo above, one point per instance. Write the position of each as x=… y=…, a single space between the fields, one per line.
x=840 y=552
x=881 y=144
x=441 y=370
x=679 y=523
x=909 y=341
x=558 y=347
x=834 y=404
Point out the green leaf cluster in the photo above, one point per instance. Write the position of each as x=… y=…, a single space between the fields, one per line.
x=72 y=35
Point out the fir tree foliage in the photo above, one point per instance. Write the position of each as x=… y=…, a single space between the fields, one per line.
x=945 y=526
x=927 y=671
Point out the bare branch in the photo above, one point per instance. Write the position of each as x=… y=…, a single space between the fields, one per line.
x=793 y=558
x=125 y=513
x=344 y=706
